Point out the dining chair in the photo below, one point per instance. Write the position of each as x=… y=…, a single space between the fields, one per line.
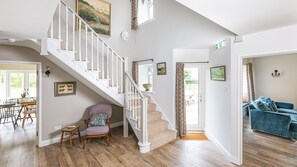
x=94 y=130
x=6 y=112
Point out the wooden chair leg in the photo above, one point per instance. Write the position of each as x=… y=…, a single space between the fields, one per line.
x=85 y=143
x=107 y=140
x=13 y=124
x=62 y=135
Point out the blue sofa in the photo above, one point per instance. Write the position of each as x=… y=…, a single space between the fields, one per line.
x=282 y=122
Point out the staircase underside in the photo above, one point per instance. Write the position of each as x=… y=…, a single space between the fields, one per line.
x=72 y=67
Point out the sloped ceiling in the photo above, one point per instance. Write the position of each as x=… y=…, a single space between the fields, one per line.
x=26 y=18
x=246 y=16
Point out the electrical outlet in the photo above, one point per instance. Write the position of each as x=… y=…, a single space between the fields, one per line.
x=58 y=127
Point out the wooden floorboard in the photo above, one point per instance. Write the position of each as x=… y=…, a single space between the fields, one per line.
x=260 y=150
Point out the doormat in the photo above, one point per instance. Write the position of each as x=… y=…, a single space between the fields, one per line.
x=195 y=136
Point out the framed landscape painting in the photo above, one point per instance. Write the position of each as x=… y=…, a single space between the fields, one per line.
x=96 y=13
x=161 y=68
x=218 y=73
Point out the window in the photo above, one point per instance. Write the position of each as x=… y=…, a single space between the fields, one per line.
x=145 y=11
x=145 y=75
x=14 y=82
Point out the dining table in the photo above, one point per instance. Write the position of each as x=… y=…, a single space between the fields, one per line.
x=25 y=108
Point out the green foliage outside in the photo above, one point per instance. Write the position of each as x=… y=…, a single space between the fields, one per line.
x=187 y=75
x=16 y=80
x=191 y=82
x=32 y=80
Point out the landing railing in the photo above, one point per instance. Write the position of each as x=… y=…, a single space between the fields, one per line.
x=76 y=35
x=136 y=105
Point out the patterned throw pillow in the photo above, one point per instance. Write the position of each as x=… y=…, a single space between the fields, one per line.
x=260 y=105
x=98 y=119
x=269 y=103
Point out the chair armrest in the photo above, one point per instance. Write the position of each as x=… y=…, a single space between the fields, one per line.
x=269 y=121
x=284 y=105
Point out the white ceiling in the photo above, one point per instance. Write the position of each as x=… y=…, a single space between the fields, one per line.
x=26 y=18
x=246 y=16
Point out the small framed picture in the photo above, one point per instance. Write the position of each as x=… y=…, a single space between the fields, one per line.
x=65 y=88
x=218 y=73
x=161 y=68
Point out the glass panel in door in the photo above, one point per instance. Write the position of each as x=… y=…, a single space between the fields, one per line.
x=16 y=84
x=32 y=85
x=192 y=98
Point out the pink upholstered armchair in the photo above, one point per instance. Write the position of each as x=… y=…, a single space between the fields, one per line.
x=95 y=131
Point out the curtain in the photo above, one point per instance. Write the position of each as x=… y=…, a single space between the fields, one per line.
x=135 y=72
x=250 y=80
x=180 y=101
x=134 y=13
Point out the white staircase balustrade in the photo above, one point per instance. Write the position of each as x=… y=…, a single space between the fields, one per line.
x=89 y=50
x=136 y=105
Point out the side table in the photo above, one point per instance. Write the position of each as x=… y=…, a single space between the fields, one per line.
x=70 y=129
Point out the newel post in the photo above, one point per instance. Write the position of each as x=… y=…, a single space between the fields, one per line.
x=125 y=120
x=144 y=145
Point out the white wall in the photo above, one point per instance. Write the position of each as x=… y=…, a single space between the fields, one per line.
x=175 y=26
x=218 y=116
x=282 y=88
x=63 y=110
x=280 y=41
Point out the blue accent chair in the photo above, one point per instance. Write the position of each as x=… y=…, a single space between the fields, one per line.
x=282 y=123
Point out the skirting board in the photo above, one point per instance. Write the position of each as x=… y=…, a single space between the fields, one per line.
x=82 y=133
x=229 y=157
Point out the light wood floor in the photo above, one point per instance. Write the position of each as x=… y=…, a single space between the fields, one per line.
x=17 y=149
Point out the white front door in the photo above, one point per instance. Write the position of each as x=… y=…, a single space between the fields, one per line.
x=194 y=93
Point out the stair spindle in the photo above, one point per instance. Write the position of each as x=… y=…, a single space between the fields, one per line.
x=59 y=20
x=97 y=55
x=92 y=49
x=79 y=40
x=67 y=22
x=86 y=58
x=73 y=30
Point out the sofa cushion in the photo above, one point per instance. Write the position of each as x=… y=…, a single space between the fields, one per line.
x=284 y=105
x=287 y=111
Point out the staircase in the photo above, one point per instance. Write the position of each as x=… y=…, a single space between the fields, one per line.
x=75 y=47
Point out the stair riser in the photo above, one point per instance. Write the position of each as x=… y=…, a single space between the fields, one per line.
x=151 y=107
x=155 y=127
x=153 y=116
x=163 y=140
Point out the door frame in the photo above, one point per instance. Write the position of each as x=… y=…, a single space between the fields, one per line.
x=38 y=95
x=240 y=93
x=202 y=92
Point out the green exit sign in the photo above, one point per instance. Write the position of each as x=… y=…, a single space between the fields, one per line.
x=220 y=45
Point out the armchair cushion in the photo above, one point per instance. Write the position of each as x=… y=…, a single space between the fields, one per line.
x=98 y=119
x=95 y=130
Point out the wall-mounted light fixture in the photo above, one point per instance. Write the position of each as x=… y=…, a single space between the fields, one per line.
x=47 y=72
x=275 y=74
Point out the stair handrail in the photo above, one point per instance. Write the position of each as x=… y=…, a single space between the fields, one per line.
x=89 y=27
x=136 y=103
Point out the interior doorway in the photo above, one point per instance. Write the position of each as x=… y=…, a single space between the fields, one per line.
x=194 y=88
x=20 y=97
